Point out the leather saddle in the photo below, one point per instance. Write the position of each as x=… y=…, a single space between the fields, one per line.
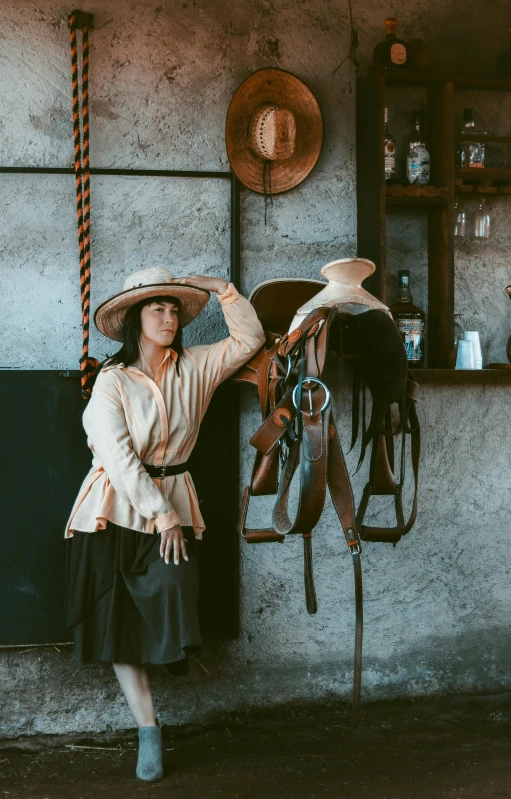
x=308 y=324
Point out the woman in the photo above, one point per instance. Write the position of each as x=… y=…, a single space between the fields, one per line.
x=132 y=586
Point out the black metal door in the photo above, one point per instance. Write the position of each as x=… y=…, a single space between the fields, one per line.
x=44 y=460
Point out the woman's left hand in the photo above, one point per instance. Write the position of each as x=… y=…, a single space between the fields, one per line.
x=216 y=284
x=173 y=537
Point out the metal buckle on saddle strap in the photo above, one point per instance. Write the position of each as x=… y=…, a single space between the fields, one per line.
x=319 y=383
x=352 y=542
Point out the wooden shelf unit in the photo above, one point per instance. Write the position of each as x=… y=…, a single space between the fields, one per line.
x=375 y=199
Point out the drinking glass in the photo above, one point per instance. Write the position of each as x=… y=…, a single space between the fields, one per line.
x=465 y=355
x=460 y=223
x=482 y=221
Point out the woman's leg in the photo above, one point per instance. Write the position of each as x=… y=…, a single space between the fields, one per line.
x=134 y=681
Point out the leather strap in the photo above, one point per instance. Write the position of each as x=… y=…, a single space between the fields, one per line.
x=274 y=426
x=339 y=485
x=359 y=632
x=381 y=479
x=164 y=470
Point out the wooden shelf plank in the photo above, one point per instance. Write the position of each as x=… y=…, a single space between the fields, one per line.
x=462 y=376
x=416 y=196
x=415 y=202
x=479 y=175
x=431 y=79
x=416 y=191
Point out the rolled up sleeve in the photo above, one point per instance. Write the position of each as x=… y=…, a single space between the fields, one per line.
x=107 y=429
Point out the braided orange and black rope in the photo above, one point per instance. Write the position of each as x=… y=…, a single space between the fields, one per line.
x=81 y=161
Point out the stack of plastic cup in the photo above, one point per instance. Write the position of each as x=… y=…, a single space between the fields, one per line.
x=473 y=336
x=465 y=356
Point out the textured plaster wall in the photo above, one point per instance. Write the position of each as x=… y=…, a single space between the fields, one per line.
x=162 y=74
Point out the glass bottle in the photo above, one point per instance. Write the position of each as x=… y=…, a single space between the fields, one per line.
x=418 y=164
x=410 y=321
x=471 y=151
x=504 y=60
x=392 y=53
x=390 y=153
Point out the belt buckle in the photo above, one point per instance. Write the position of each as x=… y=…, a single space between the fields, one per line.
x=161 y=471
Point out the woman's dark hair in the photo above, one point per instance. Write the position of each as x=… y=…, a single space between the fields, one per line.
x=132 y=330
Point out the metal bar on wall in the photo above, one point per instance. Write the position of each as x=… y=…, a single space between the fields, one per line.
x=235 y=232
x=154 y=173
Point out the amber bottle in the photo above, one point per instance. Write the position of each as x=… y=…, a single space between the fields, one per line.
x=392 y=53
x=410 y=321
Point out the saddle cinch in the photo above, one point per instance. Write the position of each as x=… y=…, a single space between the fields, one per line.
x=304 y=321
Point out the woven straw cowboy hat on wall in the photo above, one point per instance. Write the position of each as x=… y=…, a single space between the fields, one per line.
x=274 y=131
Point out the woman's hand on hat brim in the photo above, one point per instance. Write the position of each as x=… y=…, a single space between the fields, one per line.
x=216 y=284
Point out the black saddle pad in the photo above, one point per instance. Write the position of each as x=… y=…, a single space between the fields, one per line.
x=375 y=349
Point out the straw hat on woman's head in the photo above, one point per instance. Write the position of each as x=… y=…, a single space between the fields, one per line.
x=273 y=131
x=154 y=282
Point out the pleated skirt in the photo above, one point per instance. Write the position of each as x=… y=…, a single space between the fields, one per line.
x=126 y=605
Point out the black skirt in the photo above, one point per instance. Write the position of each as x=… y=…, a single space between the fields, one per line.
x=125 y=604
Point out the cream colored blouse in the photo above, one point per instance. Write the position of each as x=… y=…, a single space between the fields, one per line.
x=132 y=419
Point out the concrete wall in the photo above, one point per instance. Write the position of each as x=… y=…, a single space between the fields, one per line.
x=162 y=75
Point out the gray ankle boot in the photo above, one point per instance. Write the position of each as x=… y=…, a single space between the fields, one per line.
x=149 y=766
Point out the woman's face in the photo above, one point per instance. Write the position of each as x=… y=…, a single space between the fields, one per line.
x=159 y=322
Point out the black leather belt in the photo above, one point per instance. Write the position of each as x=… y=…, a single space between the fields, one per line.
x=162 y=470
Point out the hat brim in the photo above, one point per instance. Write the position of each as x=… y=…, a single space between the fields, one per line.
x=286 y=90
x=109 y=317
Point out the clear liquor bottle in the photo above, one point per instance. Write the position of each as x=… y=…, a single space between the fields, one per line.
x=390 y=153
x=471 y=151
x=418 y=162
x=410 y=321
x=392 y=53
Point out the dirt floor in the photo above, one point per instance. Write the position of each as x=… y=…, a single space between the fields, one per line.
x=457 y=747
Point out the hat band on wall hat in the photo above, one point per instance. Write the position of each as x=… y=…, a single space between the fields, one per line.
x=273 y=119
x=156 y=281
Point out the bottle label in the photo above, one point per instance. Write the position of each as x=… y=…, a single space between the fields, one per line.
x=390 y=159
x=412 y=331
x=398 y=54
x=476 y=154
x=418 y=168
x=404 y=281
